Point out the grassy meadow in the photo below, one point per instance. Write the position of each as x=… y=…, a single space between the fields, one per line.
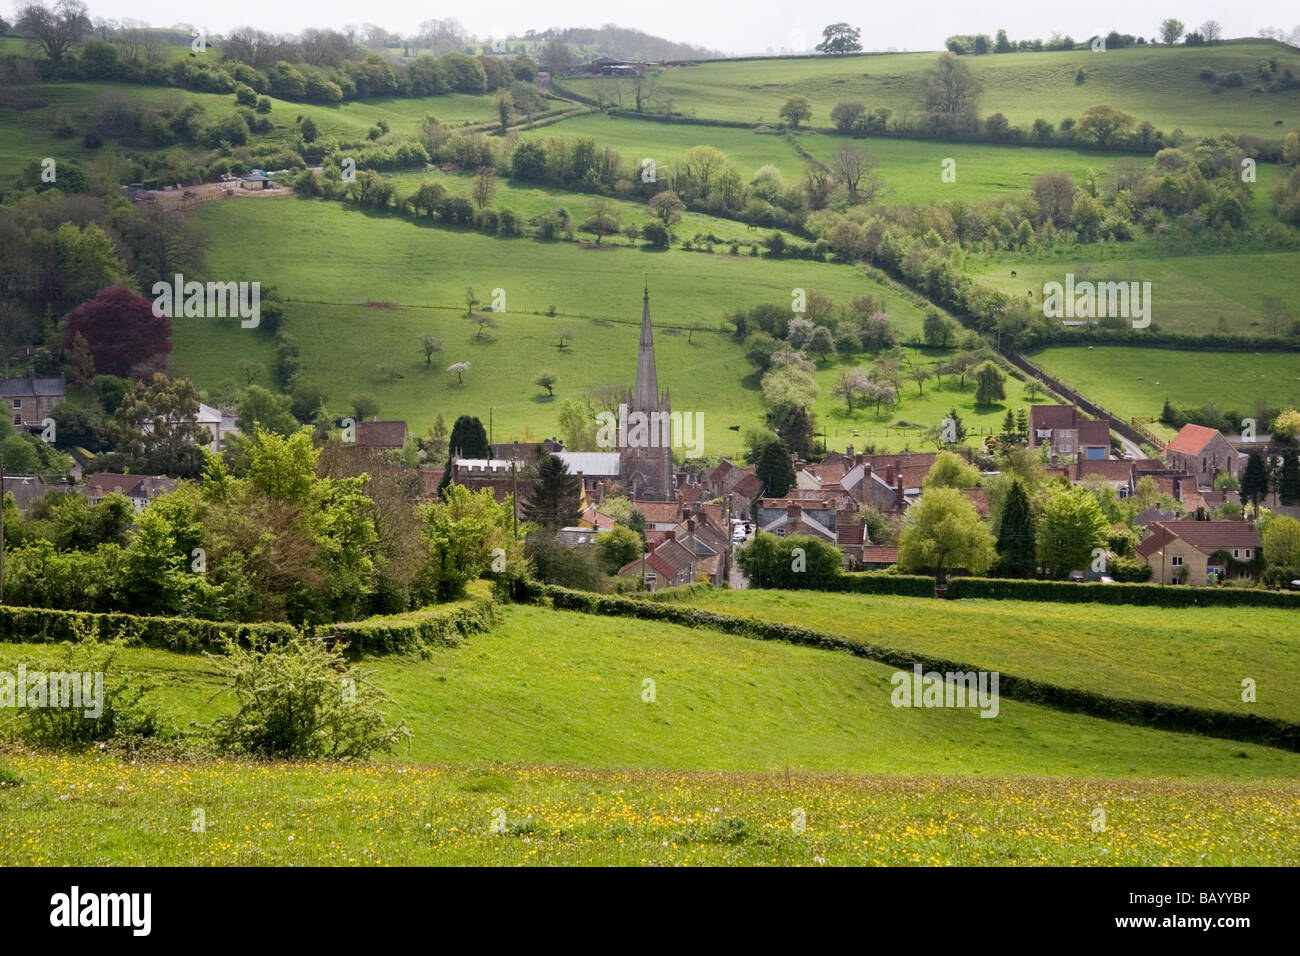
x=1134 y=382
x=1190 y=656
x=1190 y=294
x=1160 y=85
x=27 y=135
x=89 y=811
x=902 y=427
x=910 y=168
x=537 y=743
x=328 y=261
x=559 y=688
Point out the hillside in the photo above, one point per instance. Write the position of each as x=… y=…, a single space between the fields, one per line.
x=1161 y=85
x=558 y=688
x=1192 y=656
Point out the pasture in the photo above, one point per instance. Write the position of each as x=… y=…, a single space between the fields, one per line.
x=1134 y=382
x=328 y=261
x=1160 y=85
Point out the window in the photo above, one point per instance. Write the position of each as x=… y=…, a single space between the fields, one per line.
x=1066 y=448
x=18 y=403
x=1176 y=560
x=1246 y=556
x=18 y=419
x=650 y=579
x=1236 y=553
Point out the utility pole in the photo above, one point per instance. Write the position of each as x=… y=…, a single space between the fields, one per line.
x=514 y=496
x=2 y=529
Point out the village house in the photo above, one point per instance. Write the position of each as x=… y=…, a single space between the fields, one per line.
x=30 y=400
x=1204 y=453
x=1069 y=436
x=1182 y=552
x=669 y=564
x=141 y=489
x=376 y=436
x=26 y=489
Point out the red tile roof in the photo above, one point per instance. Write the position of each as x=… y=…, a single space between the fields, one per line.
x=659 y=512
x=1052 y=416
x=381 y=434
x=880 y=554
x=1192 y=439
x=1094 y=432
x=1205 y=536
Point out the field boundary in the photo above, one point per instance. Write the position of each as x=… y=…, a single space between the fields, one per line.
x=445 y=625
x=1130 y=430
x=1177 y=718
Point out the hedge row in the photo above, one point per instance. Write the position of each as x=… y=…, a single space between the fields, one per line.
x=879 y=582
x=682 y=592
x=1247 y=728
x=1158 y=595
x=44 y=625
x=445 y=625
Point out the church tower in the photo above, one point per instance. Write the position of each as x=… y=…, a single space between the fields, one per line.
x=648 y=471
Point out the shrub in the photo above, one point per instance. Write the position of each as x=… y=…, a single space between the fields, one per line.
x=301 y=700
x=113 y=710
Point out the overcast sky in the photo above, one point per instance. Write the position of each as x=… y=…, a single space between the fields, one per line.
x=734 y=26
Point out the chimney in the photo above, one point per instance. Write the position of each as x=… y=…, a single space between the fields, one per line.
x=690 y=525
x=670 y=534
x=848 y=453
x=792 y=510
x=889 y=474
x=686 y=512
x=798 y=465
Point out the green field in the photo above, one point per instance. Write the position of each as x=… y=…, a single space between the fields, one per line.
x=909 y=168
x=559 y=688
x=1191 y=656
x=1134 y=382
x=892 y=428
x=1194 y=294
x=1160 y=85
x=90 y=811
x=325 y=258
x=542 y=727
x=27 y=135
x=529 y=200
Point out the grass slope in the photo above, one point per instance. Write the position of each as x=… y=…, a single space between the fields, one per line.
x=1161 y=85
x=910 y=168
x=26 y=135
x=326 y=257
x=1191 y=294
x=1192 y=656
x=1134 y=382
x=561 y=688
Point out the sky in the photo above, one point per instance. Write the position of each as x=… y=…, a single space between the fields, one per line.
x=734 y=26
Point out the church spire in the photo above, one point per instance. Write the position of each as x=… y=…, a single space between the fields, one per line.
x=646 y=395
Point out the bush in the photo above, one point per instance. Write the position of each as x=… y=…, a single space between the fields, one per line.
x=797 y=561
x=300 y=700
x=112 y=710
